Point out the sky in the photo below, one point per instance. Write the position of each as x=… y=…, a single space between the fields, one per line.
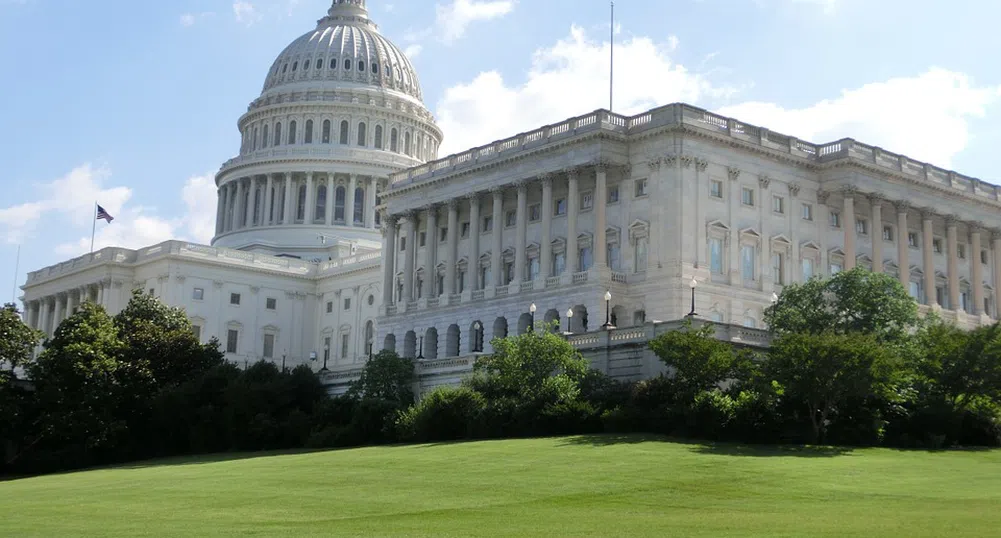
x=134 y=104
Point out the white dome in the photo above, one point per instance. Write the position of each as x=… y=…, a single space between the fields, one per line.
x=346 y=47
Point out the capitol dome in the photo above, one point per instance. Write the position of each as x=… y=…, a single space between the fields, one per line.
x=340 y=110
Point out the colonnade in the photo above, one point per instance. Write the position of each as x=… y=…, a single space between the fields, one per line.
x=46 y=313
x=296 y=198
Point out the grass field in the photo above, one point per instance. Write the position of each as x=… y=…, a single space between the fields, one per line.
x=581 y=486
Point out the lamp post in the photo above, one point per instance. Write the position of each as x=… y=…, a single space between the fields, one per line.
x=775 y=298
x=477 y=337
x=326 y=355
x=370 y=350
x=608 y=311
x=420 y=348
x=569 y=321
x=531 y=310
x=283 y=360
x=693 y=284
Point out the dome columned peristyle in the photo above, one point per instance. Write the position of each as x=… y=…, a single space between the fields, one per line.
x=341 y=109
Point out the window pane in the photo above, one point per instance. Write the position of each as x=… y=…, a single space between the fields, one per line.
x=747 y=262
x=716 y=255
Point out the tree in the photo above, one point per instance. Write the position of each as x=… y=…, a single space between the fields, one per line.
x=826 y=371
x=387 y=376
x=960 y=367
x=856 y=301
x=17 y=340
x=159 y=340
x=700 y=361
x=537 y=364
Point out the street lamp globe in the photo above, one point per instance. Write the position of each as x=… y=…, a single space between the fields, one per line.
x=570 y=313
x=693 y=283
x=775 y=298
x=608 y=295
x=532 y=308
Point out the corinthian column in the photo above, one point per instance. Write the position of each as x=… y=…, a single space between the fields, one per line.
x=388 y=260
x=370 y=203
x=904 y=273
x=876 y=200
x=268 y=200
x=431 y=253
x=352 y=185
x=240 y=205
x=848 y=214
x=287 y=205
x=409 y=256
x=929 y=260
x=495 y=256
x=220 y=209
x=573 y=203
x=474 y=239
x=953 y=261
x=307 y=212
x=328 y=219
x=977 y=271
x=546 y=247
x=600 y=224
x=452 y=246
x=253 y=202
x=520 y=265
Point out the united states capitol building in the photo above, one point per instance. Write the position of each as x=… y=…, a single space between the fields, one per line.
x=340 y=231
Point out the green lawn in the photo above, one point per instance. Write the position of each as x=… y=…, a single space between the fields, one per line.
x=581 y=486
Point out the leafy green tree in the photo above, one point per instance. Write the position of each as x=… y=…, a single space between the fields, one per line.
x=958 y=366
x=159 y=341
x=387 y=376
x=856 y=301
x=827 y=371
x=17 y=340
x=700 y=362
x=537 y=364
x=81 y=382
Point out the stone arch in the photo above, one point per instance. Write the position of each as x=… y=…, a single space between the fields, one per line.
x=389 y=343
x=552 y=319
x=476 y=329
x=410 y=345
x=431 y=343
x=580 y=321
x=524 y=323
x=452 y=341
x=500 y=328
x=619 y=317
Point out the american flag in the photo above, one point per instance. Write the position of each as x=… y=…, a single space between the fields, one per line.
x=102 y=214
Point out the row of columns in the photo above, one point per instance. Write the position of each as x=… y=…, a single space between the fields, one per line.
x=46 y=313
x=411 y=219
x=238 y=200
x=927 y=248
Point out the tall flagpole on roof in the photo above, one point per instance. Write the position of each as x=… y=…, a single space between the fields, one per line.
x=611 y=62
x=93 y=228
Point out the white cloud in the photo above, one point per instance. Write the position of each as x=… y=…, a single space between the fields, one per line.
x=190 y=19
x=453 y=19
x=187 y=19
x=827 y=6
x=568 y=79
x=926 y=117
x=245 y=12
x=412 y=51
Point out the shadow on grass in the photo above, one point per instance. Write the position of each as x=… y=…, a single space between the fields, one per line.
x=210 y=458
x=713 y=448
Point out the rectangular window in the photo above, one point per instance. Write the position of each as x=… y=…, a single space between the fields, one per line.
x=835 y=268
x=914 y=288
x=861 y=227
x=807 y=268
x=485 y=277
x=423 y=239
x=716 y=255
x=534 y=212
x=198 y=294
x=613 y=194
x=403 y=244
x=641 y=249
x=612 y=254
x=533 y=268
x=560 y=207
x=464 y=230
x=559 y=264
x=912 y=239
x=983 y=257
x=834 y=219
x=778 y=204
x=585 y=259
x=964 y=301
x=508 y=272
x=940 y=296
x=887 y=233
x=460 y=281
x=640 y=185
x=330 y=307
x=747 y=262
x=586 y=200
x=347 y=303
x=269 y=346
x=234 y=299
x=716 y=188
x=345 y=340
x=778 y=269
x=936 y=246
x=961 y=251
x=197 y=331
x=807 y=212
x=232 y=339
x=510 y=218
x=488 y=224
x=747 y=196
x=271 y=304
x=443 y=236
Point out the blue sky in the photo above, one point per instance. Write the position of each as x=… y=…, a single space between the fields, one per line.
x=135 y=103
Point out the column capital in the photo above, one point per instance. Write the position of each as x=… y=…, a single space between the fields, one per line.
x=670 y=159
x=876 y=198
x=497 y=192
x=473 y=197
x=686 y=160
x=976 y=227
x=655 y=163
x=794 y=189
x=764 y=181
x=995 y=234
x=309 y=176
x=521 y=186
x=823 y=196
x=849 y=191
x=927 y=213
x=572 y=172
x=952 y=220
x=410 y=215
x=902 y=206
x=701 y=164
x=733 y=173
x=452 y=204
x=288 y=176
x=601 y=165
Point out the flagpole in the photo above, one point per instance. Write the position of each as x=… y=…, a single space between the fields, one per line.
x=611 y=62
x=93 y=229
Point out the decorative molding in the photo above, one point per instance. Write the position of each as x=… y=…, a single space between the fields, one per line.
x=927 y=213
x=181 y=278
x=823 y=196
x=901 y=205
x=255 y=289
x=794 y=189
x=670 y=160
x=951 y=220
x=687 y=160
x=547 y=181
x=849 y=191
x=572 y=172
x=655 y=163
x=764 y=181
x=218 y=284
x=876 y=198
x=733 y=172
x=701 y=164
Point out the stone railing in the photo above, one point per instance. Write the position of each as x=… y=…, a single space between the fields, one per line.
x=319 y=151
x=688 y=116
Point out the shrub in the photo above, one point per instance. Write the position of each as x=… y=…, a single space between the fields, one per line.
x=445 y=414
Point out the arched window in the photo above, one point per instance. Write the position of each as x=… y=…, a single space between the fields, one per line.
x=347 y=65
x=362 y=134
x=278 y=134
x=295 y=66
x=339 y=204
x=378 y=137
x=264 y=138
x=319 y=63
x=361 y=65
x=326 y=132
x=305 y=65
x=292 y=126
x=360 y=206
x=406 y=143
x=344 y=132
x=300 y=207
x=254 y=141
x=393 y=143
x=320 y=211
x=333 y=63
x=375 y=68
x=309 y=132
x=284 y=68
